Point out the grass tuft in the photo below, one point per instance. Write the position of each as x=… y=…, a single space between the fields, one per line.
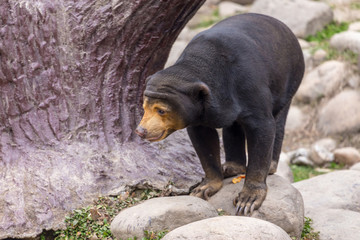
x=322 y=38
x=303 y=172
x=93 y=222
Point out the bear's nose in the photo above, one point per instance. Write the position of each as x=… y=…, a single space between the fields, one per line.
x=141 y=131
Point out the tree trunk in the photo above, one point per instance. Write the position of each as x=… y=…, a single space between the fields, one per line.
x=72 y=74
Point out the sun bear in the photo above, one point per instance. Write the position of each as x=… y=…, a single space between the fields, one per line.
x=240 y=75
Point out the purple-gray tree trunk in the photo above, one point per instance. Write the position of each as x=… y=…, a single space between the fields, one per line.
x=72 y=74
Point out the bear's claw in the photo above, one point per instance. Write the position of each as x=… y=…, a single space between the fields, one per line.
x=207 y=188
x=249 y=200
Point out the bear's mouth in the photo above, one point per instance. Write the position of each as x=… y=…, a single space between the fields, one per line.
x=157 y=138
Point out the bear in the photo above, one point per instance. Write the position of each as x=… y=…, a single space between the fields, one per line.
x=240 y=75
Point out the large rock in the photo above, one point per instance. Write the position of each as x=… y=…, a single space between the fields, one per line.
x=332 y=201
x=322 y=81
x=346 y=40
x=229 y=228
x=335 y=190
x=283 y=205
x=302 y=16
x=341 y=114
x=159 y=214
x=336 y=224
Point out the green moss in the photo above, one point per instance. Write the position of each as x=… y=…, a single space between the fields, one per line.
x=321 y=40
x=355 y=5
x=308 y=232
x=303 y=172
x=94 y=220
x=328 y=31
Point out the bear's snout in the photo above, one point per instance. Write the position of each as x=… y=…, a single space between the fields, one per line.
x=142 y=132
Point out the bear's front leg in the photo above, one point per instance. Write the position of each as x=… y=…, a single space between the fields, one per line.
x=206 y=143
x=260 y=140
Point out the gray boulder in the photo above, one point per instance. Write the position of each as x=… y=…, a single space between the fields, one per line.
x=229 y=228
x=283 y=205
x=341 y=114
x=332 y=201
x=159 y=214
x=336 y=224
x=335 y=190
x=322 y=81
x=346 y=40
x=302 y=16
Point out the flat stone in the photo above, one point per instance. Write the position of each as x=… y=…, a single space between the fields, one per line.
x=229 y=228
x=160 y=214
x=303 y=17
x=336 y=224
x=346 y=40
x=283 y=205
x=332 y=201
x=335 y=190
x=341 y=114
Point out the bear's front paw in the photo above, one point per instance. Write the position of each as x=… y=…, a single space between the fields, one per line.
x=231 y=169
x=207 y=188
x=250 y=198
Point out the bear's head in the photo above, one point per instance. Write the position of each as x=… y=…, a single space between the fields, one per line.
x=170 y=103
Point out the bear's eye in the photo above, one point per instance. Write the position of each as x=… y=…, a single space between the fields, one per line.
x=160 y=112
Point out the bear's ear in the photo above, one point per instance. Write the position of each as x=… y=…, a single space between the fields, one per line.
x=201 y=91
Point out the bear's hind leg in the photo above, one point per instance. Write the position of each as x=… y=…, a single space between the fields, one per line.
x=206 y=143
x=234 y=146
x=280 y=119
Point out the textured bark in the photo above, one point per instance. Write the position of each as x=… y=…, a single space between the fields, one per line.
x=72 y=74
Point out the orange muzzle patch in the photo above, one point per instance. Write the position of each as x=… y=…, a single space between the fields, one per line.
x=159 y=121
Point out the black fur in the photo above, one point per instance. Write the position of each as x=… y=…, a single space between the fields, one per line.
x=239 y=75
